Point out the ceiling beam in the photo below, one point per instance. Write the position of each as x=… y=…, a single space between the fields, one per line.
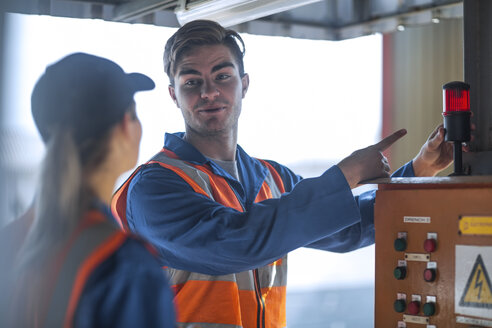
x=130 y=11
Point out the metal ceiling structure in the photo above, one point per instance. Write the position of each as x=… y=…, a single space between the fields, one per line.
x=310 y=19
x=316 y=20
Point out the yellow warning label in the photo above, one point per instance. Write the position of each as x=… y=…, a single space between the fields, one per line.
x=475 y=225
x=477 y=292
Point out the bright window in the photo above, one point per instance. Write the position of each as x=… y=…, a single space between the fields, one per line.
x=310 y=104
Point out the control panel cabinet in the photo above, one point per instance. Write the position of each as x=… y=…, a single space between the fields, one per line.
x=434 y=252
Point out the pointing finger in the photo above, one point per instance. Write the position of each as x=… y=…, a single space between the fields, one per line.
x=389 y=140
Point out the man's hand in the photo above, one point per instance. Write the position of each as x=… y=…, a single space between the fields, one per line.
x=369 y=163
x=435 y=155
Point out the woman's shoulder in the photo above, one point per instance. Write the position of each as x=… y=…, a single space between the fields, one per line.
x=124 y=249
x=135 y=251
x=123 y=286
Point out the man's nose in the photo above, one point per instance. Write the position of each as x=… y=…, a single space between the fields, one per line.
x=209 y=90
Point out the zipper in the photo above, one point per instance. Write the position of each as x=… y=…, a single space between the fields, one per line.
x=260 y=318
x=235 y=194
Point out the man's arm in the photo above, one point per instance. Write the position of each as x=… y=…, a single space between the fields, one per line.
x=194 y=233
x=435 y=155
x=369 y=163
x=360 y=234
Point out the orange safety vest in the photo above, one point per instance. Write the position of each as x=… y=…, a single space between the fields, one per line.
x=254 y=298
x=94 y=240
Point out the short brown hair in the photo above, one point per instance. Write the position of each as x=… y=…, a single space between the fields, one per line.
x=200 y=33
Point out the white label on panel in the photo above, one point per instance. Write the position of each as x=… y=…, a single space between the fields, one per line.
x=401 y=296
x=432 y=235
x=402 y=234
x=474 y=321
x=415 y=319
x=432 y=265
x=430 y=299
x=419 y=257
x=416 y=219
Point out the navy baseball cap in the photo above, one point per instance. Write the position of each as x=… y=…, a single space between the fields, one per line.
x=85 y=93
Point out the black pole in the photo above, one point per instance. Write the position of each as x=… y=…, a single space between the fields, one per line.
x=458 y=161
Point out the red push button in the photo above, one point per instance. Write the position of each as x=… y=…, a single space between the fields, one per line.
x=430 y=245
x=414 y=307
x=430 y=275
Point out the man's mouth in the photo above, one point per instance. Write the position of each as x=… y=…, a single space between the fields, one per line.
x=210 y=110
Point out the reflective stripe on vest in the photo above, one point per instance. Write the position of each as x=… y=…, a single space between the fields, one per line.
x=254 y=298
x=92 y=243
x=118 y=202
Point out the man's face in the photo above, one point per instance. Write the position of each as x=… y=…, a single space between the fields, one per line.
x=208 y=89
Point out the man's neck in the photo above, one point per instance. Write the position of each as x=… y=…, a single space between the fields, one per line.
x=221 y=147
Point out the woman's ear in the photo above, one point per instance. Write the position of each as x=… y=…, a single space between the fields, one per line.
x=125 y=142
x=129 y=126
x=124 y=126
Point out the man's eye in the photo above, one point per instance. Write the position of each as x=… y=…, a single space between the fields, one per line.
x=223 y=76
x=192 y=83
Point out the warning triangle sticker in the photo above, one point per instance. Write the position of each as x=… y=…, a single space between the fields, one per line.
x=478 y=291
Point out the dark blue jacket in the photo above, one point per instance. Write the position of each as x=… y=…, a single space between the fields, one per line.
x=194 y=233
x=129 y=289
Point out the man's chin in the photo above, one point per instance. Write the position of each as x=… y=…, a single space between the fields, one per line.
x=214 y=131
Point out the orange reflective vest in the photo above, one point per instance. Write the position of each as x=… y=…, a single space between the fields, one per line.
x=254 y=298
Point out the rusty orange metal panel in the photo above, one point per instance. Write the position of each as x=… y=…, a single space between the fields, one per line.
x=418 y=210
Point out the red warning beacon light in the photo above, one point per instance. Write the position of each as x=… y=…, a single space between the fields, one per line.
x=456 y=97
x=456 y=114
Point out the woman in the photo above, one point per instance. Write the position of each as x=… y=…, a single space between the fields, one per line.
x=76 y=268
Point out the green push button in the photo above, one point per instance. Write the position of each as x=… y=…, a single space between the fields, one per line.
x=400 y=272
x=400 y=244
x=429 y=309
x=399 y=306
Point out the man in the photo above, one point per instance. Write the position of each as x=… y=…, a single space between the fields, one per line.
x=222 y=221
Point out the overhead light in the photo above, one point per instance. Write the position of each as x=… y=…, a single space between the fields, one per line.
x=436 y=14
x=400 y=27
x=233 y=12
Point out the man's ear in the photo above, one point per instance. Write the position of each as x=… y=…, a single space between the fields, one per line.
x=173 y=94
x=245 y=84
